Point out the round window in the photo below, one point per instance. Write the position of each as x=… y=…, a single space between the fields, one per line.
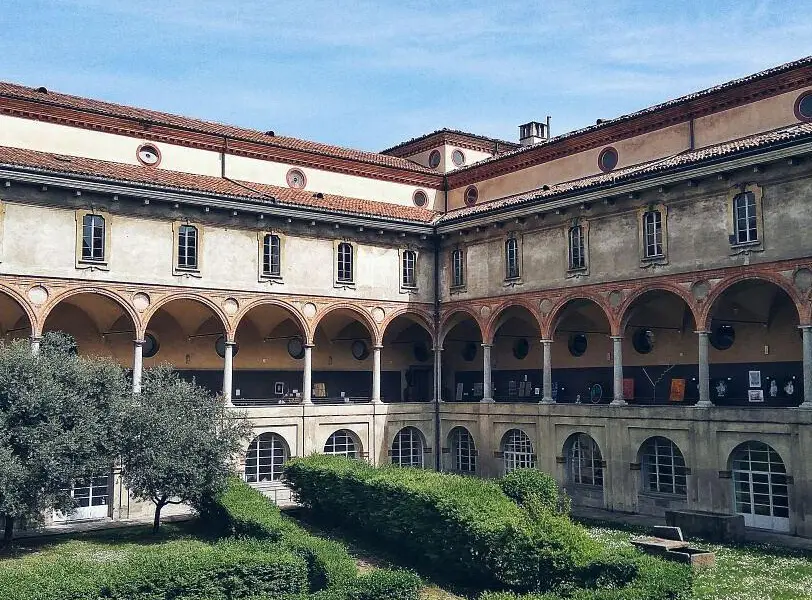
x=148 y=155
x=723 y=337
x=359 y=350
x=521 y=348
x=296 y=179
x=607 y=159
x=803 y=107
x=150 y=347
x=471 y=195
x=220 y=347
x=434 y=159
x=458 y=158
x=469 y=351
x=296 y=348
x=421 y=352
x=577 y=344
x=643 y=340
x=420 y=198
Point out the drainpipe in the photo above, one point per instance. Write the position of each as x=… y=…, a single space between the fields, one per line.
x=438 y=384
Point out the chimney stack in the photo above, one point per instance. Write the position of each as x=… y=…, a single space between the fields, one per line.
x=533 y=133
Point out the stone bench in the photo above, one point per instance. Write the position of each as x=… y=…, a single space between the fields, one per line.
x=670 y=545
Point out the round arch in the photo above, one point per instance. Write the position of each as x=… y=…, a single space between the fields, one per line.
x=663 y=467
x=500 y=316
x=423 y=319
x=584 y=460
x=454 y=318
x=163 y=302
x=358 y=313
x=463 y=450
x=28 y=311
x=408 y=447
x=291 y=310
x=558 y=311
x=725 y=285
x=626 y=308
x=344 y=442
x=122 y=303
x=760 y=493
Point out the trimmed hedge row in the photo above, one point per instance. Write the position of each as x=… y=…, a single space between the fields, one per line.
x=243 y=512
x=467 y=529
x=177 y=570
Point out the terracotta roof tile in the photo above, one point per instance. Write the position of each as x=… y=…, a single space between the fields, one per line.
x=12 y=90
x=505 y=145
x=178 y=181
x=620 y=175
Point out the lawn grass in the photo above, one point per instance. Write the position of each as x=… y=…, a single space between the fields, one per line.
x=746 y=572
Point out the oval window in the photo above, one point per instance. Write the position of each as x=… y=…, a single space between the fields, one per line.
x=723 y=337
x=296 y=348
x=521 y=348
x=296 y=179
x=434 y=159
x=607 y=159
x=469 y=351
x=458 y=158
x=420 y=198
x=803 y=107
x=359 y=350
x=220 y=347
x=148 y=155
x=643 y=340
x=151 y=346
x=471 y=195
x=577 y=344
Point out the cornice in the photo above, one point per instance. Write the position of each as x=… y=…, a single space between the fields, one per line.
x=451 y=138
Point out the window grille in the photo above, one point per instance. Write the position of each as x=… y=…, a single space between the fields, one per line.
x=463 y=451
x=760 y=481
x=265 y=457
x=409 y=264
x=585 y=461
x=517 y=451
x=345 y=262
x=187 y=247
x=511 y=258
x=271 y=256
x=407 y=448
x=663 y=467
x=653 y=233
x=93 y=237
x=744 y=208
x=341 y=443
x=457 y=268
x=577 y=256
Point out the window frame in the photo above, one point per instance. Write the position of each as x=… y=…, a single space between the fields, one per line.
x=91 y=263
x=344 y=443
x=273 y=439
x=649 y=260
x=459 y=456
x=585 y=465
x=509 y=279
x=756 y=245
x=572 y=269
x=664 y=461
x=411 y=458
x=345 y=283
x=513 y=458
x=261 y=273
x=177 y=269
x=454 y=286
x=405 y=287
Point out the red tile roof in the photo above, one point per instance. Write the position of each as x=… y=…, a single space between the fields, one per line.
x=186 y=182
x=786 y=134
x=12 y=90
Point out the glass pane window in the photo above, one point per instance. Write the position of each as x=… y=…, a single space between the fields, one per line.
x=409 y=263
x=345 y=262
x=585 y=461
x=187 y=247
x=653 y=233
x=463 y=451
x=744 y=209
x=511 y=258
x=93 y=237
x=271 y=255
x=341 y=443
x=407 y=448
x=517 y=451
x=759 y=481
x=458 y=274
x=264 y=459
x=576 y=243
x=663 y=467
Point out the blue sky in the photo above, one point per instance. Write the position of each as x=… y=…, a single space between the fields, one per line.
x=369 y=74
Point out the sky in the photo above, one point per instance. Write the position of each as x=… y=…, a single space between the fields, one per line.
x=370 y=74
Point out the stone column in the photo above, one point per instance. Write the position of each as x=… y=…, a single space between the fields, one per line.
x=307 y=376
x=138 y=364
x=487 y=392
x=704 y=372
x=617 y=379
x=35 y=345
x=438 y=374
x=228 y=361
x=806 y=331
x=547 y=373
x=376 y=374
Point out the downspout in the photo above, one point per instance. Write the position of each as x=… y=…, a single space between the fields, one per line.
x=691 y=139
x=237 y=183
x=438 y=384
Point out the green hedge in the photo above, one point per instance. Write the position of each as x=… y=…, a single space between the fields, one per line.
x=244 y=512
x=525 y=486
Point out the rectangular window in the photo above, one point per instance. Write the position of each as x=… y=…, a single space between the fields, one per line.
x=187 y=247
x=512 y=258
x=577 y=258
x=457 y=269
x=744 y=207
x=345 y=262
x=653 y=233
x=271 y=256
x=408 y=276
x=93 y=238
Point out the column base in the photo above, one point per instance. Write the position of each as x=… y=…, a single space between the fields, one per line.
x=488 y=400
x=373 y=401
x=703 y=404
x=618 y=402
x=806 y=406
x=546 y=401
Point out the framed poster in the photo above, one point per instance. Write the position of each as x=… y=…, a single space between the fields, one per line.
x=755 y=395
x=628 y=388
x=755 y=379
x=677 y=390
x=279 y=388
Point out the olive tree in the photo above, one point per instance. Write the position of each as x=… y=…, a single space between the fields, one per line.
x=179 y=442
x=60 y=417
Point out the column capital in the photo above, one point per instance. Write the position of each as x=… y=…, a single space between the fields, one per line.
x=139 y=342
x=377 y=347
x=484 y=345
x=616 y=338
x=543 y=341
x=803 y=327
x=702 y=332
x=437 y=348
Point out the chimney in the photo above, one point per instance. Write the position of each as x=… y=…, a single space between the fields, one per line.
x=533 y=133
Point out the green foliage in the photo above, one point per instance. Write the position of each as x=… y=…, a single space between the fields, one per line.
x=60 y=417
x=179 y=441
x=376 y=585
x=535 y=490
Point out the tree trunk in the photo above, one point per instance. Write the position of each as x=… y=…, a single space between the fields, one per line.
x=156 y=524
x=8 y=533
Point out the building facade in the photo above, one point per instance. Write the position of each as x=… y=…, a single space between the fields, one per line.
x=626 y=306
